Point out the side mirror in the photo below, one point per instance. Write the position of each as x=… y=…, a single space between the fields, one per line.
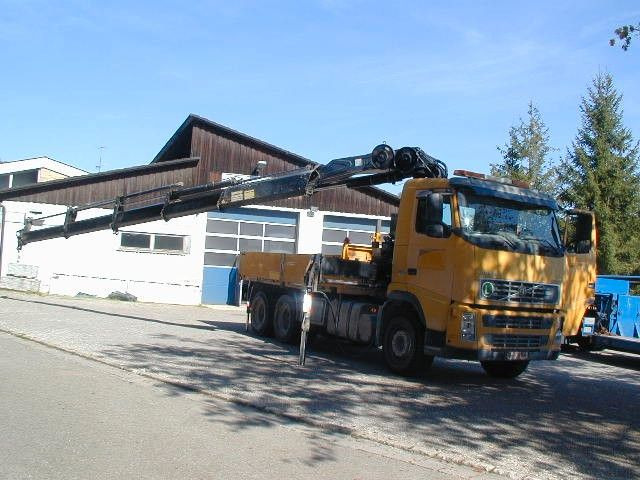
x=434 y=209
x=579 y=234
x=430 y=213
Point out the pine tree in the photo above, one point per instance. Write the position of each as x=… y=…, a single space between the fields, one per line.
x=526 y=154
x=601 y=170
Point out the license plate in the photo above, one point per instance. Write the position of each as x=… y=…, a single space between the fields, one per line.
x=517 y=355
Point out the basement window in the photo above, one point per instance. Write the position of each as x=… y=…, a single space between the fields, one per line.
x=154 y=243
x=136 y=241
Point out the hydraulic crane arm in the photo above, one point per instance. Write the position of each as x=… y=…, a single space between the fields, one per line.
x=383 y=165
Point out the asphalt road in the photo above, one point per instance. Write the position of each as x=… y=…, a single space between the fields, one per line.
x=64 y=417
x=576 y=417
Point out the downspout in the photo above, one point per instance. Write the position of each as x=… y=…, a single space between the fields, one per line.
x=3 y=211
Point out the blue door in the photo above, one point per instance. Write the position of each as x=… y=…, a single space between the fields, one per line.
x=219 y=285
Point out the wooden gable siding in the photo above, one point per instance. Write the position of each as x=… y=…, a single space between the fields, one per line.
x=105 y=190
x=219 y=154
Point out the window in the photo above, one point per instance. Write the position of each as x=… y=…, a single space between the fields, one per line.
x=169 y=243
x=154 y=242
x=279 y=247
x=18 y=179
x=252 y=229
x=279 y=231
x=220 y=259
x=135 y=240
x=28 y=177
x=220 y=226
x=221 y=243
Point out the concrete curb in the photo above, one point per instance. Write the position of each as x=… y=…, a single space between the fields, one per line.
x=329 y=427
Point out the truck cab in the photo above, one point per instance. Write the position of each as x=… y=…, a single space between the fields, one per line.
x=477 y=272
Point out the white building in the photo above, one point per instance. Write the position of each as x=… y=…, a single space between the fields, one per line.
x=188 y=260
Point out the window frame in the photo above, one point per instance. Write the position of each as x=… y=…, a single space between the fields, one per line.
x=186 y=243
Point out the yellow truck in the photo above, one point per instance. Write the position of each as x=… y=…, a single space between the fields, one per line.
x=474 y=268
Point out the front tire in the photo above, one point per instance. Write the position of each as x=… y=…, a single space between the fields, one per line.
x=504 y=369
x=261 y=318
x=403 y=346
x=286 y=319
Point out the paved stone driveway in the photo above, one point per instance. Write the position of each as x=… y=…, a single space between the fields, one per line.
x=576 y=416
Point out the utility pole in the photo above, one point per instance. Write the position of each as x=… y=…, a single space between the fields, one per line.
x=99 y=166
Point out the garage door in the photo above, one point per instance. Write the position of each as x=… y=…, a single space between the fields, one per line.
x=241 y=230
x=358 y=230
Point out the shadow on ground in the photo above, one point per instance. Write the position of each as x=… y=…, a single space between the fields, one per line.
x=547 y=420
x=566 y=418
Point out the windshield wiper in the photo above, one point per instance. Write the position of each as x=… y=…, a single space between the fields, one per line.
x=510 y=243
x=543 y=241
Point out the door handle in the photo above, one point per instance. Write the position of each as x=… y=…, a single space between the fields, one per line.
x=412 y=271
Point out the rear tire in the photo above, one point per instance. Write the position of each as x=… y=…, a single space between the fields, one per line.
x=504 y=369
x=286 y=319
x=403 y=346
x=261 y=318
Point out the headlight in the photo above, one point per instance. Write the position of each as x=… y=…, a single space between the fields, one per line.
x=551 y=295
x=559 y=338
x=468 y=326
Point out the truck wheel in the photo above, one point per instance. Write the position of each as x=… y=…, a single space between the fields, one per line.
x=261 y=321
x=402 y=346
x=504 y=369
x=286 y=319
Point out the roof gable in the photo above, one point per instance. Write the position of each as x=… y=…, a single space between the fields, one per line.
x=180 y=144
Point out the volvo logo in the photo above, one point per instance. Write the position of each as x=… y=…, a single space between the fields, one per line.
x=487 y=289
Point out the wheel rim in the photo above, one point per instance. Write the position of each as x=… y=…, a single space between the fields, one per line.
x=401 y=344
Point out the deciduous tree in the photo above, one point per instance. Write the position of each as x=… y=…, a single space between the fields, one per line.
x=624 y=34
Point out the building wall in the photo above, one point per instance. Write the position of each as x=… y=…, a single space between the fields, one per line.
x=219 y=153
x=95 y=263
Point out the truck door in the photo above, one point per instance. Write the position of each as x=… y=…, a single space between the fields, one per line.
x=580 y=269
x=429 y=271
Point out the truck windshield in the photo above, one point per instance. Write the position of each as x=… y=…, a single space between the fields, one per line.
x=492 y=222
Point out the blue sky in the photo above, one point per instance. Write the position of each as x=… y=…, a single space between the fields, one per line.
x=323 y=78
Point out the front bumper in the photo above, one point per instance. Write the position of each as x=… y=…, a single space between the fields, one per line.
x=493 y=355
x=502 y=334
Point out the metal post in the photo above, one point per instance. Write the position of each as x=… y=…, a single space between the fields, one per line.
x=306 y=324
x=303 y=338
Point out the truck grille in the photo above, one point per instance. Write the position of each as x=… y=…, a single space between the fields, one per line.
x=519 y=292
x=506 y=321
x=500 y=341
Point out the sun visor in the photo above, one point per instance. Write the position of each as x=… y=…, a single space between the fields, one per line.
x=507 y=192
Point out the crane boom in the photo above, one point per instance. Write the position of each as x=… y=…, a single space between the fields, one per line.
x=383 y=165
